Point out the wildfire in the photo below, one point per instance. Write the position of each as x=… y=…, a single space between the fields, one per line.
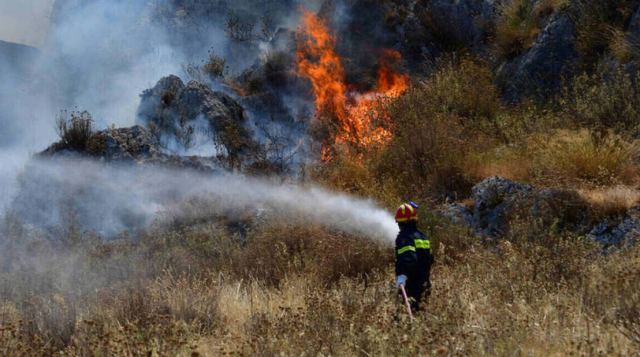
x=355 y=113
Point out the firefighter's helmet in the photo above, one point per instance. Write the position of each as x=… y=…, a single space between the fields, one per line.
x=407 y=212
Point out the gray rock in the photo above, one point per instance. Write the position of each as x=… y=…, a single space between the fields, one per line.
x=457 y=214
x=540 y=71
x=615 y=232
x=498 y=201
x=176 y=113
x=131 y=145
x=494 y=198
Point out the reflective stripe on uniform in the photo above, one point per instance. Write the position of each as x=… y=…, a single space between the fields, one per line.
x=422 y=243
x=406 y=248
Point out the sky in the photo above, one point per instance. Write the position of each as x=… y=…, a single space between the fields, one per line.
x=25 y=21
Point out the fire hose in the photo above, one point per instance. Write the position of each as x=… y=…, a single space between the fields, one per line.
x=406 y=301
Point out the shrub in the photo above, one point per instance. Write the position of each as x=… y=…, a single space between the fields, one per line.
x=624 y=47
x=75 y=131
x=516 y=28
x=463 y=88
x=435 y=126
x=520 y=22
x=215 y=66
x=580 y=157
x=426 y=154
x=597 y=23
x=604 y=100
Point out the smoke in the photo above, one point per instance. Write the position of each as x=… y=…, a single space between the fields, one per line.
x=99 y=56
x=110 y=199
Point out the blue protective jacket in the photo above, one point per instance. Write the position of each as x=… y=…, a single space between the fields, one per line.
x=413 y=253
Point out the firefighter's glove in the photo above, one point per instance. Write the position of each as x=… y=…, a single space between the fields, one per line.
x=401 y=280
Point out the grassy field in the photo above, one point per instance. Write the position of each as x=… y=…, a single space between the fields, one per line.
x=308 y=291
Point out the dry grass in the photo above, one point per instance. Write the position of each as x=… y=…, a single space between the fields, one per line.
x=566 y=158
x=517 y=28
x=533 y=295
x=598 y=25
x=612 y=201
x=580 y=157
x=520 y=22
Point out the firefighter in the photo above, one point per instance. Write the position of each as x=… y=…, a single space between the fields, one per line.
x=413 y=255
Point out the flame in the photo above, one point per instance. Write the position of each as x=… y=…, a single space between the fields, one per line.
x=354 y=113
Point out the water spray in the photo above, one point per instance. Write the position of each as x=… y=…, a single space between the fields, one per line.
x=111 y=198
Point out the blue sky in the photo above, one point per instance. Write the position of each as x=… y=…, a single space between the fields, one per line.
x=24 y=21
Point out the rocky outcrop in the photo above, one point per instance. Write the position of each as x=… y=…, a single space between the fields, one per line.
x=130 y=145
x=540 y=71
x=181 y=116
x=495 y=199
x=498 y=203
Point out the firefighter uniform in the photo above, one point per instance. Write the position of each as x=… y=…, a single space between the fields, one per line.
x=413 y=256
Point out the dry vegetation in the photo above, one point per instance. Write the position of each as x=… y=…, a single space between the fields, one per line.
x=200 y=291
x=197 y=287
x=452 y=131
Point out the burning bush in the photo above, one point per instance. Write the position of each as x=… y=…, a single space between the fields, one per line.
x=354 y=117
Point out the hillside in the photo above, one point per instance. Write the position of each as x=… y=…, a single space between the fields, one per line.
x=246 y=206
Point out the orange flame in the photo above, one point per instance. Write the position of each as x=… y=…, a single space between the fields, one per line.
x=354 y=113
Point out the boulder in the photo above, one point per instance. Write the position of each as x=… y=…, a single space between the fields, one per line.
x=540 y=71
x=182 y=116
x=494 y=199
x=498 y=202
